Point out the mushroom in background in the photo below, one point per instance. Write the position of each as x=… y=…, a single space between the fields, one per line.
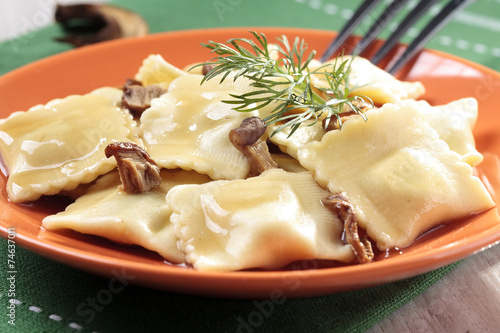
x=87 y=24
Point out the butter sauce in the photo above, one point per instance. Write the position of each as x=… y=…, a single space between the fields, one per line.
x=60 y=145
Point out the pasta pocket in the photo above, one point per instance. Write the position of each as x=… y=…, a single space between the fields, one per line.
x=367 y=79
x=399 y=176
x=307 y=132
x=454 y=123
x=60 y=145
x=265 y=222
x=140 y=219
x=188 y=127
x=155 y=70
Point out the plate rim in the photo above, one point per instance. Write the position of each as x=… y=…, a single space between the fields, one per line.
x=65 y=255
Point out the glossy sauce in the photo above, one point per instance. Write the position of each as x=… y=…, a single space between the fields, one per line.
x=59 y=145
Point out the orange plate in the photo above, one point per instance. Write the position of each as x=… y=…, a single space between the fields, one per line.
x=109 y=64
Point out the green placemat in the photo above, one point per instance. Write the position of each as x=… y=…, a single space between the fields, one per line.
x=55 y=298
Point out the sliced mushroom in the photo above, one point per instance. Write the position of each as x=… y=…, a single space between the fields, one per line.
x=88 y=24
x=207 y=68
x=246 y=139
x=137 y=98
x=138 y=172
x=339 y=204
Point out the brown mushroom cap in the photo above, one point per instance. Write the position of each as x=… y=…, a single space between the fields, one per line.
x=139 y=173
x=246 y=139
x=89 y=24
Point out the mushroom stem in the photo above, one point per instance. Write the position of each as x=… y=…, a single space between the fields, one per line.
x=246 y=139
x=339 y=204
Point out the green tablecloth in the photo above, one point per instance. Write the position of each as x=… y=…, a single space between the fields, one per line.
x=50 y=295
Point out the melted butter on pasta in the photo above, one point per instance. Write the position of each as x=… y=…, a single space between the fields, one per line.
x=266 y=221
x=139 y=219
x=307 y=132
x=364 y=79
x=188 y=127
x=369 y=80
x=155 y=70
x=454 y=123
x=400 y=177
x=287 y=163
x=60 y=145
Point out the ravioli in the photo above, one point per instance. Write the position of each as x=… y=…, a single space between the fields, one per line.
x=155 y=70
x=399 y=176
x=307 y=132
x=139 y=219
x=287 y=163
x=367 y=79
x=188 y=127
x=265 y=222
x=454 y=122
x=60 y=145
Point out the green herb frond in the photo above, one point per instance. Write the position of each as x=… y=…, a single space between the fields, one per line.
x=284 y=82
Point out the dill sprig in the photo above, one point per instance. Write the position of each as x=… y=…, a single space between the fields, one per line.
x=284 y=81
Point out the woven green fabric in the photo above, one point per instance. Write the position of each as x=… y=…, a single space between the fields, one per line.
x=55 y=298
x=58 y=290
